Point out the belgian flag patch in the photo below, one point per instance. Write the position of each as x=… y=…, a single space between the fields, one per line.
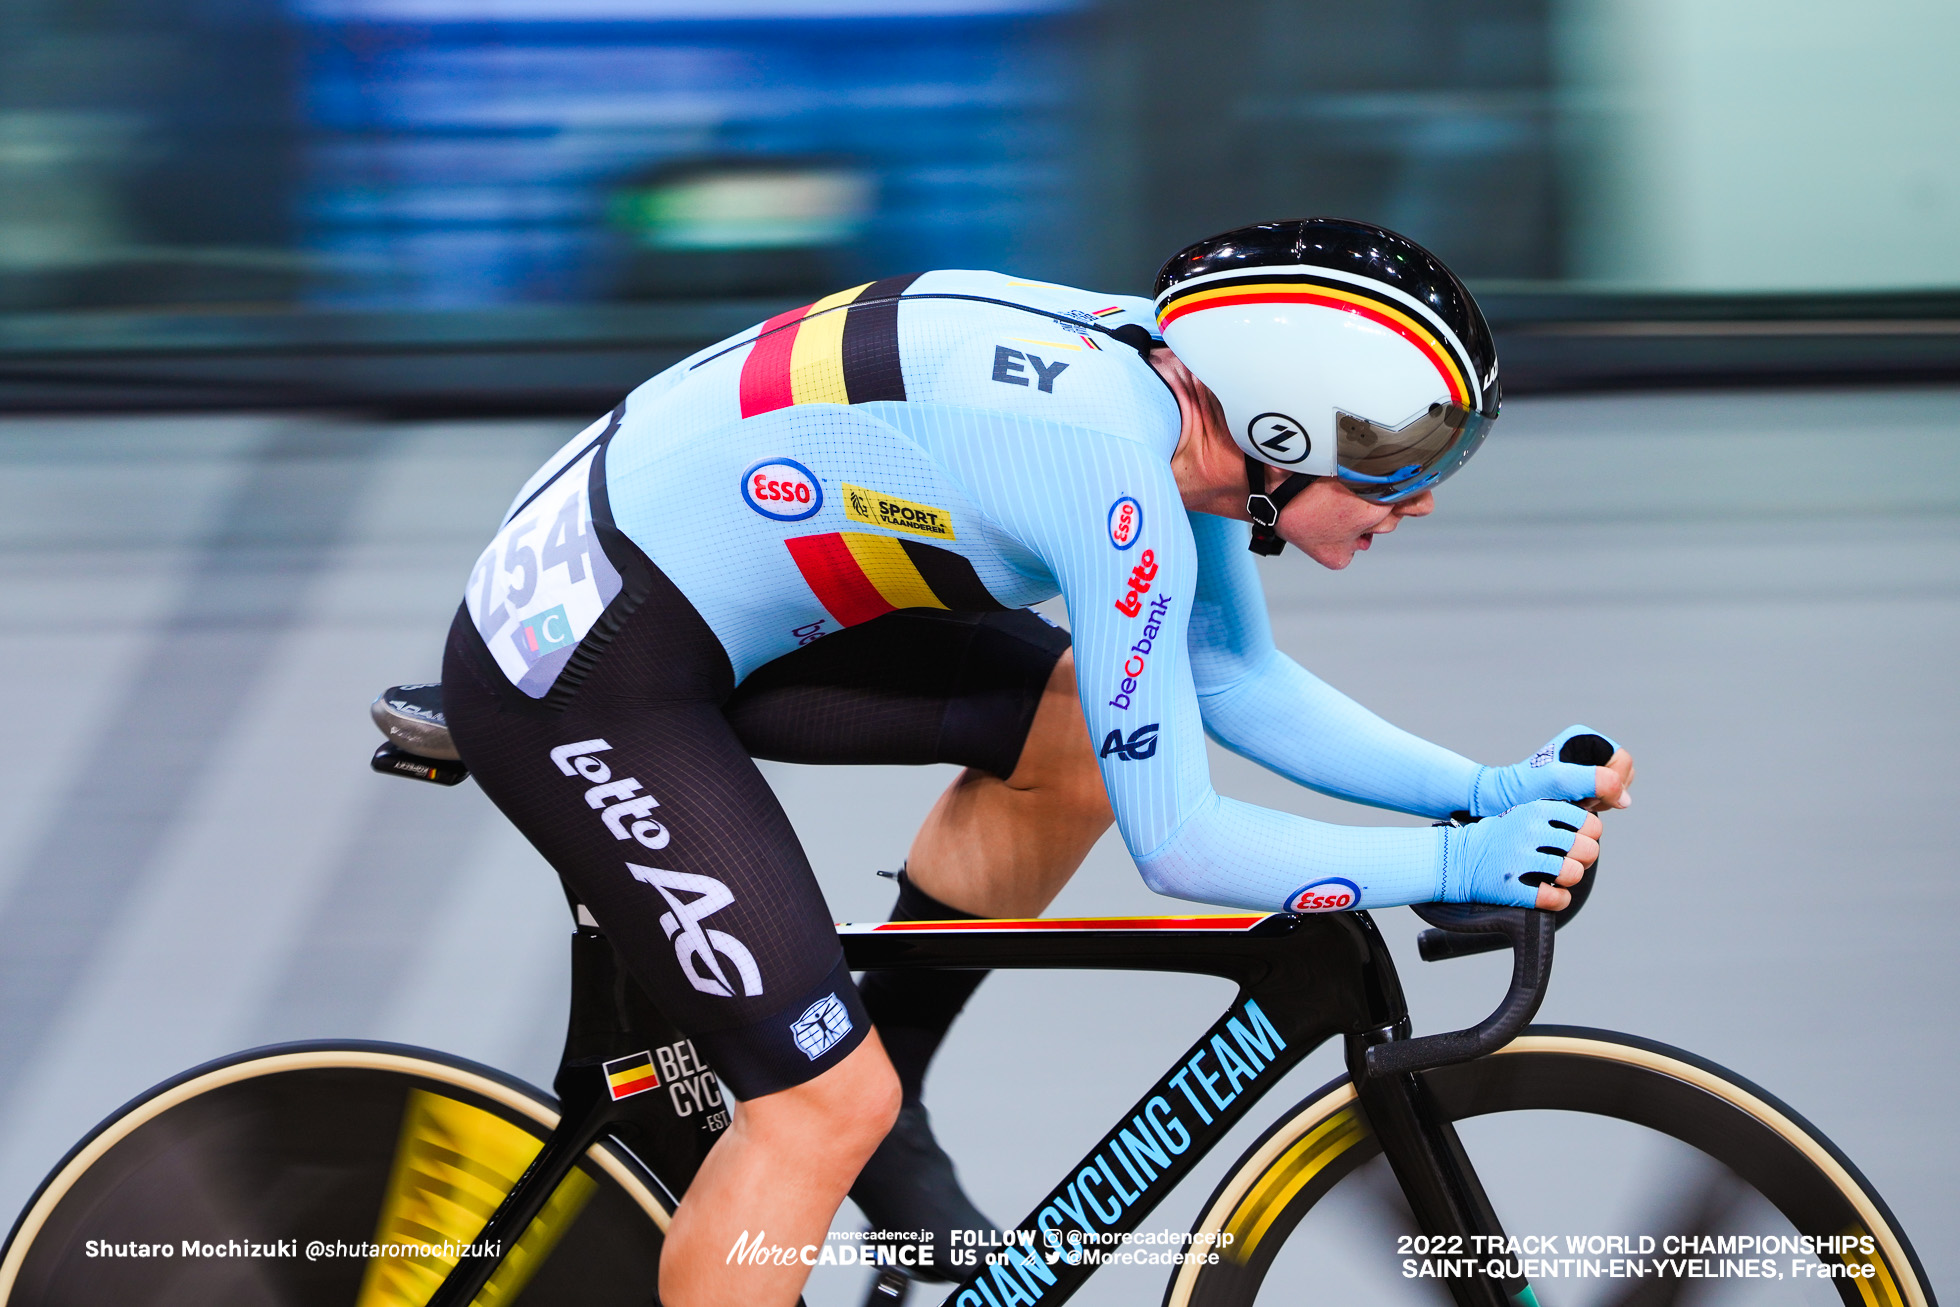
x=627 y=1076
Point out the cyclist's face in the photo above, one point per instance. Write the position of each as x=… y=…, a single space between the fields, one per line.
x=1330 y=523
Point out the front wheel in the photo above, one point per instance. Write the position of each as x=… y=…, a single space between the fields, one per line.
x=324 y=1175
x=1625 y=1172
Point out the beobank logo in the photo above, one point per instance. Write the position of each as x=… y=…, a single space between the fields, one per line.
x=1331 y=895
x=782 y=489
x=1125 y=522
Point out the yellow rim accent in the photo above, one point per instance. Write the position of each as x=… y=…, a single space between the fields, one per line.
x=1876 y=1286
x=1293 y=1172
x=1305 y=1122
x=276 y=1064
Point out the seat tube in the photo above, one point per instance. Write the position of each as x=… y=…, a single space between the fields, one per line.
x=1436 y=1176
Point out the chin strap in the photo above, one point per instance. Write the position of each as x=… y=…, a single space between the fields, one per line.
x=1263 y=507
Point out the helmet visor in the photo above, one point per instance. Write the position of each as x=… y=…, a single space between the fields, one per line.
x=1385 y=464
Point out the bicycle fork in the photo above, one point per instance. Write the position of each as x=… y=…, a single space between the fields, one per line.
x=1435 y=1174
x=1420 y=1143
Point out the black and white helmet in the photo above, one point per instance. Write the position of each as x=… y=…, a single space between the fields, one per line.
x=1337 y=349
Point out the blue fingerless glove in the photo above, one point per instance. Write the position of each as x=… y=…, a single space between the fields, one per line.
x=1504 y=859
x=1541 y=776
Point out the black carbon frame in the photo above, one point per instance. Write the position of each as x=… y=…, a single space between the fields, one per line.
x=1302 y=981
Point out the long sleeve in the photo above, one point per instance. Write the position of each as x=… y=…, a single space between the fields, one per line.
x=1262 y=705
x=1103 y=515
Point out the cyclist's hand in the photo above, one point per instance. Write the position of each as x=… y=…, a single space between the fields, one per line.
x=1544 y=776
x=1522 y=858
x=1613 y=783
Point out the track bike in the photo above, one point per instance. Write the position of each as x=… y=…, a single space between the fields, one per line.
x=419 y=1178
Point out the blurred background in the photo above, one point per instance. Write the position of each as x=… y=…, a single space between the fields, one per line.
x=293 y=296
x=533 y=203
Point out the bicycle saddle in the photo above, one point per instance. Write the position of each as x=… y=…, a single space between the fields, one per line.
x=411 y=717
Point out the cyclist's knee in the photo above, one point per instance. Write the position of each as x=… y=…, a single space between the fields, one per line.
x=848 y=1110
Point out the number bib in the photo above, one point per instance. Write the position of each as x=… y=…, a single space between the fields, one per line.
x=543 y=582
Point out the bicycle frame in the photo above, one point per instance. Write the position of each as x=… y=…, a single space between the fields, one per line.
x=1302 y=980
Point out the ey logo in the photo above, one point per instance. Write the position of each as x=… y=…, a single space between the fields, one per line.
x=1008 y=368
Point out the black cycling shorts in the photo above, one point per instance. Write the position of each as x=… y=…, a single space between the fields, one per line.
x=638 y=785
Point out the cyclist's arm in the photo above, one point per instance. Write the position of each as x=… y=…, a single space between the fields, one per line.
x=1259 y=703
x=1053 y=489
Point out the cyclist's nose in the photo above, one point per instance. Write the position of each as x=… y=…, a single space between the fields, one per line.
x=1421 y=505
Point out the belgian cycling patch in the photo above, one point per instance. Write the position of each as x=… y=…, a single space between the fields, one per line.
x=542 y=583
x=627 y=1076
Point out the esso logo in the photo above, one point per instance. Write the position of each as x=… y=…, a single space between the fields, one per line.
x=782 y=489
x=1330 y=895
x=1125 y=522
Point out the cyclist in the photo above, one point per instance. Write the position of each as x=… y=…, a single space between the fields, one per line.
x=816 y=542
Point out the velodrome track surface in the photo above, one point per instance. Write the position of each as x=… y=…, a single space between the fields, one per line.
x=1759 y=593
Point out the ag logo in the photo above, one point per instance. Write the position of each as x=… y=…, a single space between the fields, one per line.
x=1283 y=439
x=782 y=489
x=700 y=950
x=1125 y=522
x=1331 y=895
x=1141 y=744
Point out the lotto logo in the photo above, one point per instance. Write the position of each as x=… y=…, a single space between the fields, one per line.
x=822 y=1024
x=782 y=489
x=1140 y=578
x=1331 y=895
x=1125 y=522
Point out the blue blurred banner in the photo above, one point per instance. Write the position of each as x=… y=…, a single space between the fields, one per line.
x=464 y=154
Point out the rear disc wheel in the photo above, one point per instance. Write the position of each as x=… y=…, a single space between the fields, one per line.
x=322 y=1175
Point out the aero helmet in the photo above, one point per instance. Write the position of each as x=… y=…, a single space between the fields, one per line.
x=1337 y=349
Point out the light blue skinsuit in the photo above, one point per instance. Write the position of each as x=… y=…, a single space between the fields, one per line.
x=1035 y=444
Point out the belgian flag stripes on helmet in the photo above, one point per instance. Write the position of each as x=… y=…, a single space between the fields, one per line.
x=1337 y=349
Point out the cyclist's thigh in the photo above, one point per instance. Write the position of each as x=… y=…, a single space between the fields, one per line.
x=913 y=687
x=663 y=828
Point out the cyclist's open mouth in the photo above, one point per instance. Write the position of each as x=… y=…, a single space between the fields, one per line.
x=1367 y=538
